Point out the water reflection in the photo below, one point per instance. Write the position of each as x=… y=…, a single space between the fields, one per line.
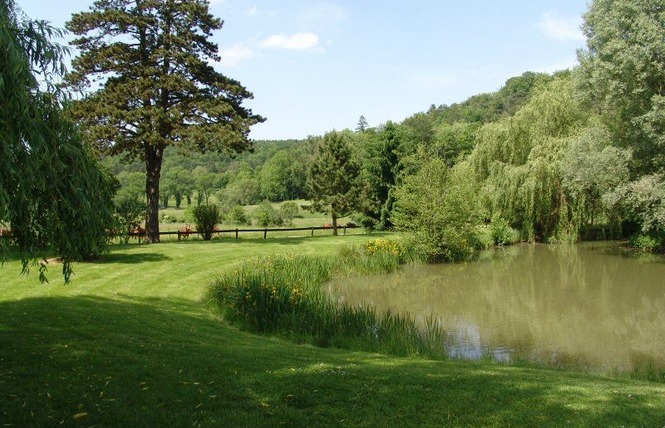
x=589 y=305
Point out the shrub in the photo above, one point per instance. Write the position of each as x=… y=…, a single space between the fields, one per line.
x=439 y=207
x=129 y=212
x=167 y=218
x=206 y=217
x=237 y=215
x=288 y=211
x=502 y=233
x=645 y=242
x=265 y=215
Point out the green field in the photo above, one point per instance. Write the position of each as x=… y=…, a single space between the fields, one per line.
x=130 y=343
x=304 y=218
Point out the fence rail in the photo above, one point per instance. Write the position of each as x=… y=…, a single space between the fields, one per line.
x=265 y=231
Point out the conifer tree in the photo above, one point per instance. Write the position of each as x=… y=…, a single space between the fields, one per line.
x=144 y=67
x=333 y=178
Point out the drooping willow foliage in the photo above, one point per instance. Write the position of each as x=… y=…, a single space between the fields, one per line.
x=53 y=195
x=545 y=169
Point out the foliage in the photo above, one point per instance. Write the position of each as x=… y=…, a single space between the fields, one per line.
x=647 y=243
x=334 y=178
x=177 y=182
x=206 y=217
x=288 y=211
x=147 y=64
x=621 y=75
x=486 y=108
x=266 y=215
x=237 y=215
x=502 y=233
x=519 y=161
x=132 y=185
x=282 y=177
x=52 y=190
x=439 y=206
x=129 y=213
x=381 y=169
x=643 y=201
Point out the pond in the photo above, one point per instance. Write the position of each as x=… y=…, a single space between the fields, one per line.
x=591 y=305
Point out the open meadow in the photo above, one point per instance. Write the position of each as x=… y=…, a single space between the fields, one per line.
x=129 y=342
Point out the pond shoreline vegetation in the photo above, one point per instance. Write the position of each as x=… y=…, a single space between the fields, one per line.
x=282 y=295
x=163 y=334
x=135 y=344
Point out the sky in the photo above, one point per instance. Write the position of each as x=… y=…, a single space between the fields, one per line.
x=314 y=66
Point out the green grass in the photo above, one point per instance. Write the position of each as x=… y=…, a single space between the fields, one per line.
x=129 y=343
x=303 y=219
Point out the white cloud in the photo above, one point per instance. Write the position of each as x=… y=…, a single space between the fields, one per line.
x=253 y=11
x=236 y=54
x=298 y=41
x=565 y=29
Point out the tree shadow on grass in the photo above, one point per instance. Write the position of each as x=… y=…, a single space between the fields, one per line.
x=135 y=258
x=170 y=362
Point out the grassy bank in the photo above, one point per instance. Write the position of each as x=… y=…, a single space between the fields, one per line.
x=129 y=343
x=284 y=296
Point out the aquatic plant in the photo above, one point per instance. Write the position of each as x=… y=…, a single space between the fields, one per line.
x=282 y=295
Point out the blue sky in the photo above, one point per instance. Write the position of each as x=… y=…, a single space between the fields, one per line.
x=315 y=65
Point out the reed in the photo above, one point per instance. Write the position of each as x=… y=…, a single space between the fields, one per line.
x=282 y=295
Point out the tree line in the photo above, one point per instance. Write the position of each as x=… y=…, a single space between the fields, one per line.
x=577 y=154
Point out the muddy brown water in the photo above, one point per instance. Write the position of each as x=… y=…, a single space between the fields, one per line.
x=590 y=305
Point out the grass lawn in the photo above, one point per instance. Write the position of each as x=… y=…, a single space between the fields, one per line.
x=129 y=343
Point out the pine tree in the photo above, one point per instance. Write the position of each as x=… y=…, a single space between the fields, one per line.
x=333 y=179
x=147 y=64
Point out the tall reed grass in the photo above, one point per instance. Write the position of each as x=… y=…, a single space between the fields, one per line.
x=282 y=295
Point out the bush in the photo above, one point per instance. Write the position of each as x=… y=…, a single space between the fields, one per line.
x=129 y=212
x=439 y=207
x=265 y=215
x=645 y=242
x=502 y=233
x=288 y=211
x=237 y=215
x=206 y=217
x=167 y=218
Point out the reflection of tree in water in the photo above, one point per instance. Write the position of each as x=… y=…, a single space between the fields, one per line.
x=582 y=305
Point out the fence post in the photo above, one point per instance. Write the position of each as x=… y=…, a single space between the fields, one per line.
x=344 y=230
x=236 y=233
x=265 y=233
x=312 y=230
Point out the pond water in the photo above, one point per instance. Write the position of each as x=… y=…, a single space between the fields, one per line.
x=591 y=305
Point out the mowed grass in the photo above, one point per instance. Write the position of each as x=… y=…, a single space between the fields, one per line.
x=130 y=343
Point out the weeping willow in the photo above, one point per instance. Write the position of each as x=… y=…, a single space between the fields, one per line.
x=53 y=195
x=538 y=167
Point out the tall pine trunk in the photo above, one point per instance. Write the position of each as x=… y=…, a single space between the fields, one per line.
x=153 y=167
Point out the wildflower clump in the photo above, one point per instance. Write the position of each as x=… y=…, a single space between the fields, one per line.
x=384 y=246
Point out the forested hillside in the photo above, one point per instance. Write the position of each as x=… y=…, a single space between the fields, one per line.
x=552 y=158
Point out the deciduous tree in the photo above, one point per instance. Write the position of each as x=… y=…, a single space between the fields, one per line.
x=52 y=190
x=622 y=74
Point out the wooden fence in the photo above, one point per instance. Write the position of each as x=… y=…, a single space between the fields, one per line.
x=265 y=231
